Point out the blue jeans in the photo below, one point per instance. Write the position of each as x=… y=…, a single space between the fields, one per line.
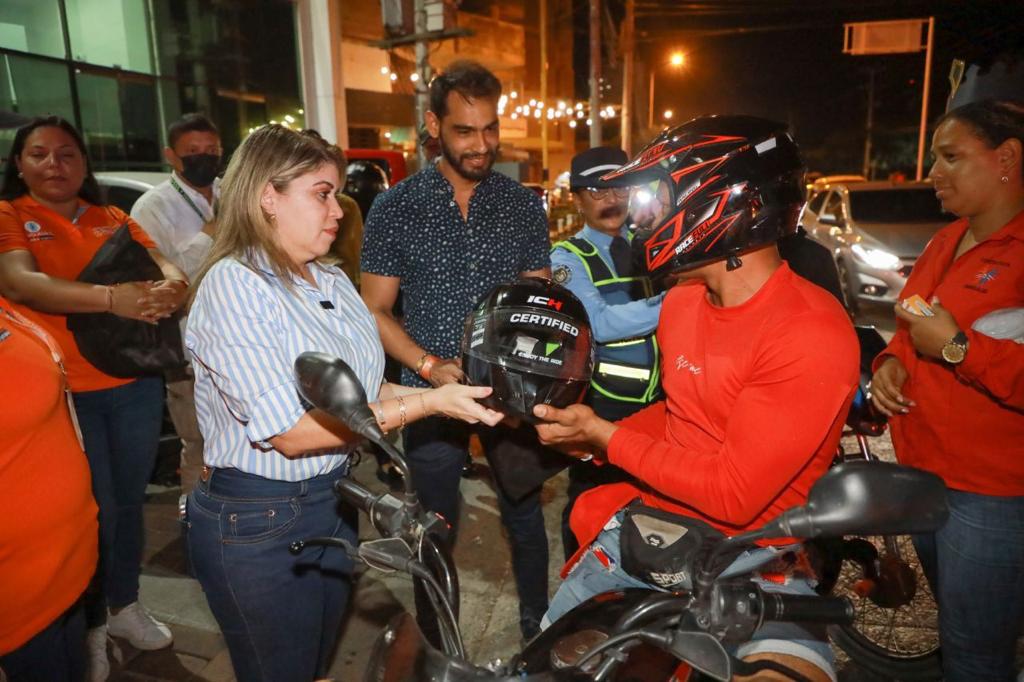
x=975 y=565
x=121 y=430
x=436 y=450
x=279 y=613
x=57 y=654
x=592 y=576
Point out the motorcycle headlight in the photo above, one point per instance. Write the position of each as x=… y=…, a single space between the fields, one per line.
x=876 y=258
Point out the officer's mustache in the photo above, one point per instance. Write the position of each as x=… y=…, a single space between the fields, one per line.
x=612 y=212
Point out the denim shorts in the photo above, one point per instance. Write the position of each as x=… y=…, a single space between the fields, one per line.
x=600 y=570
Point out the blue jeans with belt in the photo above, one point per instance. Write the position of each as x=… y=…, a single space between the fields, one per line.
x=121 y=430
x=975 y=565
x=279 y=613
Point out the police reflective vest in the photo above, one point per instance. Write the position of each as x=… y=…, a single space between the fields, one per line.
x=627 y=370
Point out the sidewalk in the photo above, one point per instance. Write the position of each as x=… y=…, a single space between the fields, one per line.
x=489 y=604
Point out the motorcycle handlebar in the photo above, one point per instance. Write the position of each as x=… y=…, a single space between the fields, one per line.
x=807 y=608
x=355 y=494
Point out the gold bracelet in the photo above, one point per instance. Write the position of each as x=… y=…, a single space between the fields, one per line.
x=401 y=411
x=110 y=299
x=423 y=404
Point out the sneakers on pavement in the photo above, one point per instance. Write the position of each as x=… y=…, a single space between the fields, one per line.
x=96 y=648
x=140 y=629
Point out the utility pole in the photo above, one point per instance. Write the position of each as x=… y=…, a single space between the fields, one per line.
x=544 y=88
x=868 y=128
x=924 y=99
x=628 y=65
x=423 y=69
x=650 y=98
x=595 y=73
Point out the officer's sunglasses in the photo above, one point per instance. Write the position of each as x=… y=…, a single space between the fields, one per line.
x=598 y=194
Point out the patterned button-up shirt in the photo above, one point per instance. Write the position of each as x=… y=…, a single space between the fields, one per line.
x=416 y=232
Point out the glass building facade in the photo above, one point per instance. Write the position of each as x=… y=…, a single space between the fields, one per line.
x=122 y=70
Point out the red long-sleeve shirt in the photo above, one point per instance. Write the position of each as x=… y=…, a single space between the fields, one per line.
x=756 y=399
x=968 y=425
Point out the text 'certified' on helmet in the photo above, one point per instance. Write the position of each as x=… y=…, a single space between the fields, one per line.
x=530 y=341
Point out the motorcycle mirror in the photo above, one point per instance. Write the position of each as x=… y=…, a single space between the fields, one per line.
x=329 y=383
x=702 y=651
x=867 y=498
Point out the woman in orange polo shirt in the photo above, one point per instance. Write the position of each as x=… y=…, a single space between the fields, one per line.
x=953 y=386
x=52 y=222
x=49 y=554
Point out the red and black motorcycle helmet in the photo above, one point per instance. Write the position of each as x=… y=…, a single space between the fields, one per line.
x=716 y=187
x=530 y=340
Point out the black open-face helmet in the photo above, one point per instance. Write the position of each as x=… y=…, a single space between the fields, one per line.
x=711 y=189
x=364 y=180
x=530 y=341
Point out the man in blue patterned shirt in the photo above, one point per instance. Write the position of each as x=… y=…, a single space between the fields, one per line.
x=443 y=238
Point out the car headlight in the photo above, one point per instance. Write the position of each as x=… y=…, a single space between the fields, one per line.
x=876 y=258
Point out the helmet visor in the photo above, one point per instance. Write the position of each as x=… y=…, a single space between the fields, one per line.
x=529 y=340
x=650 y=203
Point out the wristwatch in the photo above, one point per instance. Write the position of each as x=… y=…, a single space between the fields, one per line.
x=955 y=350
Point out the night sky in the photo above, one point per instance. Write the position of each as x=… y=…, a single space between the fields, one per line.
x=797 y=72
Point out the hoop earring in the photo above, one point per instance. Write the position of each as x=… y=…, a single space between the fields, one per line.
x=1004 y=179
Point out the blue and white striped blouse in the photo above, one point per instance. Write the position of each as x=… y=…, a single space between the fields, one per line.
x=244 y=331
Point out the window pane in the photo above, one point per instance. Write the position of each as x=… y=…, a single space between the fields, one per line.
x=34 y=87
x=110 y=33
x=101 y=118
x=32 y=26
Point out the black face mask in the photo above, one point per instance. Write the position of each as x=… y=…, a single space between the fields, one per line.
x=200 y=169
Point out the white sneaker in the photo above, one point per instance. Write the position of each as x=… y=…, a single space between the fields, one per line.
x=96 y=648
x=140 y=629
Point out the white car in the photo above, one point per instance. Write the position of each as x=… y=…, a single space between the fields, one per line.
x=123 y=188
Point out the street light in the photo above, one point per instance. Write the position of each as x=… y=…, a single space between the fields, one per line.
x=676 y=60
x=668 y=114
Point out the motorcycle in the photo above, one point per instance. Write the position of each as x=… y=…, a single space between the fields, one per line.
x=895 y=633
x=626 y=635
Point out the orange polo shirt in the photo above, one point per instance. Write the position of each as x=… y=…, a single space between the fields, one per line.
x=62 y=248
x=757 y=395
x=48 y=532
x=968 y=425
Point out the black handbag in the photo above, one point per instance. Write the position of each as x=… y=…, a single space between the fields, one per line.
x=663 y=549
x=116 y=345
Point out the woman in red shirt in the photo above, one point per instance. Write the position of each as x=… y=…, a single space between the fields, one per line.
x=52 y=223
x=47 y=554
x=953 y=386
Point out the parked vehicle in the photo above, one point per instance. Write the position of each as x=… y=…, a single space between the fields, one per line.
x=824 y=183
x=632 y=634
x=123 y=188
x=392 y=162
x=876 y=231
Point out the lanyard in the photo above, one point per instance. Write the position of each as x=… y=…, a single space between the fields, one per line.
x=47 y=341
x=187 y=198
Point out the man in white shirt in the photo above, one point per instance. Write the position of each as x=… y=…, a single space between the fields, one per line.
x=174 y=214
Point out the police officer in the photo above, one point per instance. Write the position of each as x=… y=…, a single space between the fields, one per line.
x=595 y=264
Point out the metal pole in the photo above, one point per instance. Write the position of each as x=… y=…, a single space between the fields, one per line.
x=629 y=54
x=866 y=169
x=924 y=99
x=650 y=99
x=595 y=73
x=423 y=69
x=544 y=88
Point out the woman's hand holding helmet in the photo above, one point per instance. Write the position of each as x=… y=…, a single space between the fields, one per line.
x=132 y=300
x=460 y=402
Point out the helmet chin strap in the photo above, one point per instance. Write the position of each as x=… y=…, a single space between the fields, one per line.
x=732 y=263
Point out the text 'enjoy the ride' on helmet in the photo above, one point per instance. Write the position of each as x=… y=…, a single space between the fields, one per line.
x=529 y=340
